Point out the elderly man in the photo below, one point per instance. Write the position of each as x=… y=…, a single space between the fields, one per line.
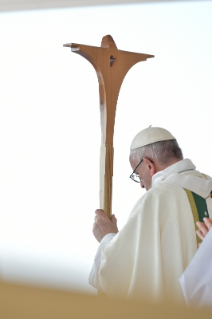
x=146 y=258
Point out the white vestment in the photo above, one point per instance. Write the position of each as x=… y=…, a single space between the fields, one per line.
x=149 y=254
x=196 y=281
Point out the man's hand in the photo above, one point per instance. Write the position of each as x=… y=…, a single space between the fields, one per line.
x=103 y=225
x=204 y=227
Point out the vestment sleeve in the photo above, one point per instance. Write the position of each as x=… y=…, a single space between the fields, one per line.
x=196 y=281
x=148 y=255
x=94 y=274
x=131 y=264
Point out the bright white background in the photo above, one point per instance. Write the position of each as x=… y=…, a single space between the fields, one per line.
x=50 y=127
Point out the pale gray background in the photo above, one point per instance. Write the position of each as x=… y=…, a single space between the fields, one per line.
x=50 y=128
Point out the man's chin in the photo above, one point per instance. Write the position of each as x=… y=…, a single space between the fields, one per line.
x=142 y=185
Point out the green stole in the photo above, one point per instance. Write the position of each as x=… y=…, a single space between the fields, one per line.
x=198 y=207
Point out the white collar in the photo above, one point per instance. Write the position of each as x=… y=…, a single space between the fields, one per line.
x=195 y=183
x=179 y=167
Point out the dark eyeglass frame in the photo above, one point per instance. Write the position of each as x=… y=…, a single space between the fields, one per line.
x=132 y=177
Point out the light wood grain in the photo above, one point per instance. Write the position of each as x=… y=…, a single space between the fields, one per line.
x=108 y=178
x=111 y=66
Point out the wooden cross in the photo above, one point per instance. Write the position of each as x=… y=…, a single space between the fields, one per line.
x=111 y=66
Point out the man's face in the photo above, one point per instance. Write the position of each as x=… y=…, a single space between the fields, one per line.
x=144 y=171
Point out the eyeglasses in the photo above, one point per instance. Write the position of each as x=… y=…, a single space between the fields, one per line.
x=134 y=176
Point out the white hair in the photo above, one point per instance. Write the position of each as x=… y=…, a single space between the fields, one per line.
x=163 y=152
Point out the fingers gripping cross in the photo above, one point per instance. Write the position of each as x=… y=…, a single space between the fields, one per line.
x=103 y=225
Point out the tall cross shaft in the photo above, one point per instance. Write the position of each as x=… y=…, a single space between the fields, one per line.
x=111 y=66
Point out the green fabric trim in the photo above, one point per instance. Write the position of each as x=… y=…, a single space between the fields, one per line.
x=198 y=207
x=201 y=207
x=194 y=211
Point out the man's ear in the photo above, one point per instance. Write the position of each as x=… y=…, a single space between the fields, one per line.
x=153 y=169
x=151 y=166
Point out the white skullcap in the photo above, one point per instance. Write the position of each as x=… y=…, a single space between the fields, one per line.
x=150 y=135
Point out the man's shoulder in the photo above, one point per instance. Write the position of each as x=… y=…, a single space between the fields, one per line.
x=193 y=181
x=162 y=193
x=164 y=189
x=207 y=177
